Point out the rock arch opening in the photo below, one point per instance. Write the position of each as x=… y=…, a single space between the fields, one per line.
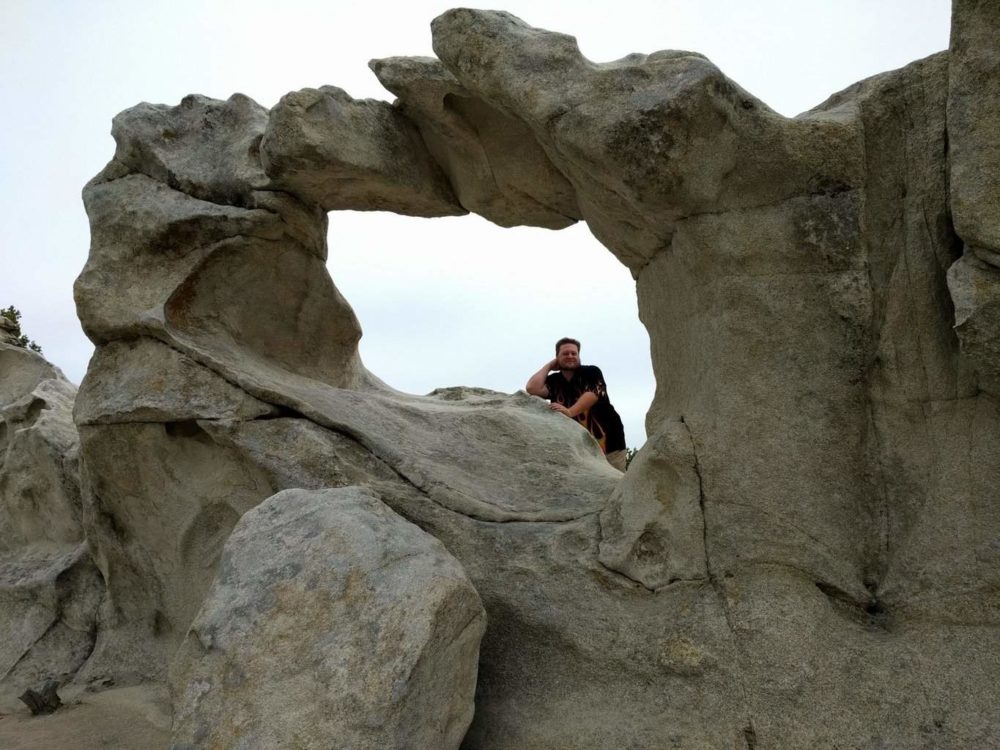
x=463 y=302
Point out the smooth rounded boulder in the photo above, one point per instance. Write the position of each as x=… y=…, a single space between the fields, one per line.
x=332 y=622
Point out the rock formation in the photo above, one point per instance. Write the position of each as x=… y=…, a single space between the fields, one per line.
x=331 y=618
x=805 y=552
x=8 y=331
x=50 y=589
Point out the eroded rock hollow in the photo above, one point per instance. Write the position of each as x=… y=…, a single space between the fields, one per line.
x=805 y=552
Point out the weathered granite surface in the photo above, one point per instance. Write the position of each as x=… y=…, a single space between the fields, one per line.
x=50 y=589
x=332 y=622
x=804 y=553
x=974 y=182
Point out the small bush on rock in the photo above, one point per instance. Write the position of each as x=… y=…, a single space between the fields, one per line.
x=12 y=325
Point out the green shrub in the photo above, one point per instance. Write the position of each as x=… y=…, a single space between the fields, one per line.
x=14 y=316
x=629 y=455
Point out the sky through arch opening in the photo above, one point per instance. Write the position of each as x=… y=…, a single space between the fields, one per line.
x=461 y=301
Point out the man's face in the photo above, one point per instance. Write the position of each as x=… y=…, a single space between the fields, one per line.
x=568 y=357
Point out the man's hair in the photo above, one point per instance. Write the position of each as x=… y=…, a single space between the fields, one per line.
x=567 y=340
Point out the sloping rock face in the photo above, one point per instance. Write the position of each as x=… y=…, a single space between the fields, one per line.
x=50 y=589
x=803 y=555
x=332 y=623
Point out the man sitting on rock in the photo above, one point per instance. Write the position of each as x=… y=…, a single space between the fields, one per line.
x=578 y=392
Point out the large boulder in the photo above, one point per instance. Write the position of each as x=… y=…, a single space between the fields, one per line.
x=50 y=589
x=332 y=622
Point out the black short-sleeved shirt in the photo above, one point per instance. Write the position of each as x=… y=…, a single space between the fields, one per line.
x=601 y=420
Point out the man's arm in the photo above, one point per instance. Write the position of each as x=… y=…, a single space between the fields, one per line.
x=536 y=383
x=586 y=400
x=593 y=383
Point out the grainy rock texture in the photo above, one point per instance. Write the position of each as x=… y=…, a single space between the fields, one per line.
x=344 y=154
x=9 y=331
x=50 y=589
x=974 y=172
x=973 y=110
x=332 y=622
x=805 y=552
x=131 y=718
x=652 y=528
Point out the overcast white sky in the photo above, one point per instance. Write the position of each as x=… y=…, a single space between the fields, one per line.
x=442 y=301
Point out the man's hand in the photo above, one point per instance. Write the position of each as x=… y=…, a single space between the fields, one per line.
x=586 y=400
